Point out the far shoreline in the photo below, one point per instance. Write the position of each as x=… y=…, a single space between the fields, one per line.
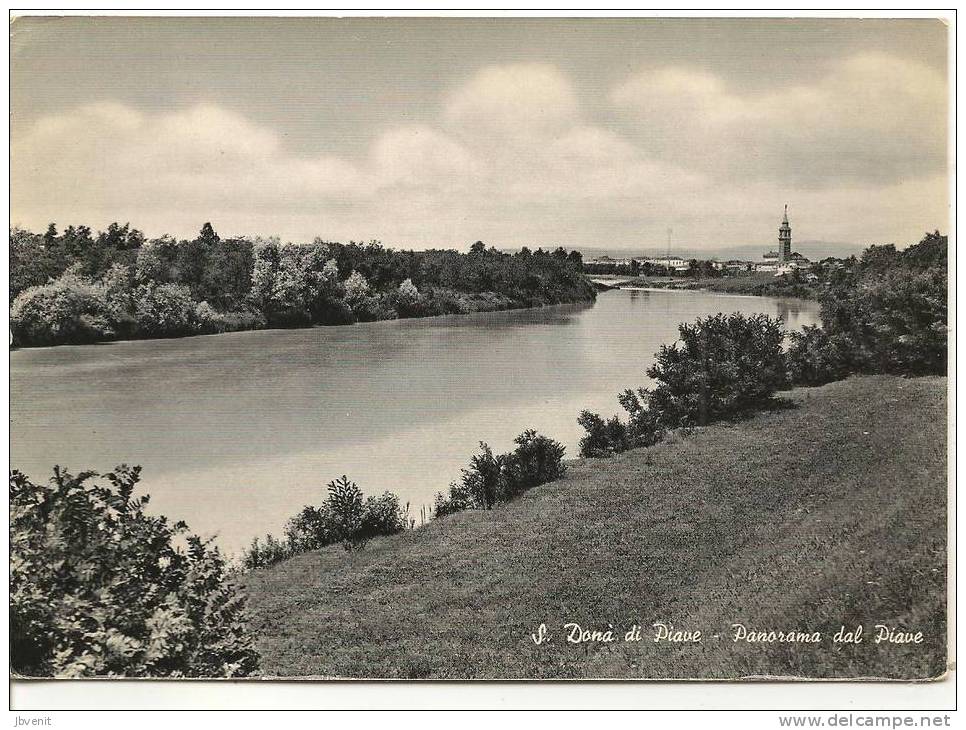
x=458 y=315
x=434 y=317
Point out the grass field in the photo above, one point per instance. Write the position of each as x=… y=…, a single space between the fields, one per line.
x=826 y=513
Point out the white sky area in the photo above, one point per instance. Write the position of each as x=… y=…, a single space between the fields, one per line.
x=436 y=133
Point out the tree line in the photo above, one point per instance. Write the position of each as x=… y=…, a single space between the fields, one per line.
x=74 y=287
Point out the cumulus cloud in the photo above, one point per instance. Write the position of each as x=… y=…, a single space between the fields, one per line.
x=870 y=118
x=514 y=158
x=516 y=101
x=415 y=156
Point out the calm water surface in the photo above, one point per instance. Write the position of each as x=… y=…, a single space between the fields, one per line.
x=237 y=431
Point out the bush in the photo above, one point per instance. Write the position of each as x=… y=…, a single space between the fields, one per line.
x=261 y=554
x=367 y=305
x=354 y=521
x=408 y=301
x=499 y=478
x=816 y=358
x=536 y=460
x=207 y=320
x=723 y=365
x=98 y=587
x=438 y=301
x=345 y=517
x=603 y=437
x=332 y=311
x=310 y=529
x=458 y=500
x=382 y=515
x=646 y=426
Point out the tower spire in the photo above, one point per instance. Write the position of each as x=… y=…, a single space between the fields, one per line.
x=784 y=239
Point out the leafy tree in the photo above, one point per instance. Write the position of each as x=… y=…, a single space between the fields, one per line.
x=408 y=299
x=346 y=507
x=366 y=305
x=118 y=285
x=156 y=261
x=164 y=310
x=32 y=261
x=208 y=237
x=887 y=314
x=70 y=309
x=483 y=478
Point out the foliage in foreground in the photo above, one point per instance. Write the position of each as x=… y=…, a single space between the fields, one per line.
x=490 y=479
x=99 y=588
x=346 y=517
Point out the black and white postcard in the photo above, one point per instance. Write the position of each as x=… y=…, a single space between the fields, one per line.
x=488 y=348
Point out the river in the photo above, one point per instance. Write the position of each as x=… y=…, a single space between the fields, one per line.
x=236 y=432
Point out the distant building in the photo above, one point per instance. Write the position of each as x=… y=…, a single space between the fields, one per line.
x=607 y=260
x=670 y=261
x=782 y=261
x=784 y=238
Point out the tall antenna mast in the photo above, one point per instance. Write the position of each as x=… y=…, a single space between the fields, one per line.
x=669 y=232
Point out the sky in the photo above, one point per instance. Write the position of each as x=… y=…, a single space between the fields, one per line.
x=437 y=132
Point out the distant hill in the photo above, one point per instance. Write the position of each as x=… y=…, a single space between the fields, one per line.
x=814 y=250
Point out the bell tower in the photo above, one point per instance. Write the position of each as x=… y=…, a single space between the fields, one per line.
x=784 y=239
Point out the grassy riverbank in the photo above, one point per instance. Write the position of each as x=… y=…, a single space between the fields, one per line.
x=829 y=512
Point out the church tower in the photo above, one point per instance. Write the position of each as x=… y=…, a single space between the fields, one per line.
x=784 y=239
